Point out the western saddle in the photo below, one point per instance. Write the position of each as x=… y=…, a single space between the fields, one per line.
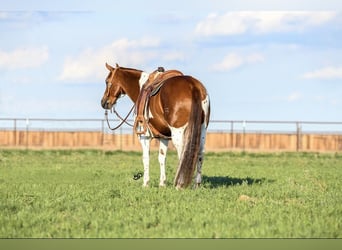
x=150 y=88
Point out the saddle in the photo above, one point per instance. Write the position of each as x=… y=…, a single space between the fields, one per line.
x=150 y=88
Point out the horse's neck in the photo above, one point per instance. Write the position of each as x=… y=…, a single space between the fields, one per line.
x=131 y=83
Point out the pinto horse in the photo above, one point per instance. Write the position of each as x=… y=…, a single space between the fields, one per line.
x=179 y=111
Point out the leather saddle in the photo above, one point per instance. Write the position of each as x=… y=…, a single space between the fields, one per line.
x=150 y=88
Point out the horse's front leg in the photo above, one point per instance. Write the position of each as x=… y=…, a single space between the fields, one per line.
x=163 y=144
x=145 y=143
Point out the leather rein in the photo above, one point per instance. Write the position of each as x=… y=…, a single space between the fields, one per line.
x=123 y=120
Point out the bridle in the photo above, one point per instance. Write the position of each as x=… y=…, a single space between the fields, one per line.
x=110 y=82
x=123 y=120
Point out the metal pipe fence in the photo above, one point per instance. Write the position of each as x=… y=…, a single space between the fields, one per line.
x=226 y=126
x=222 y=134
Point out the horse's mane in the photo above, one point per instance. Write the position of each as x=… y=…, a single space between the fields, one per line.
x=129 y=69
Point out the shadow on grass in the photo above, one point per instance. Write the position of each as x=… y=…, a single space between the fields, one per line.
x=224 y=181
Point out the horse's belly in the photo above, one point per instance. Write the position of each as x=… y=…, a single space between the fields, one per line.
x=161 y=126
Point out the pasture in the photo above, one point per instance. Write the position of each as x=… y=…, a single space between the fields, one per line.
x=92 y=194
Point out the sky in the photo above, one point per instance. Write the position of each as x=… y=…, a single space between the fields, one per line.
x=259 y=60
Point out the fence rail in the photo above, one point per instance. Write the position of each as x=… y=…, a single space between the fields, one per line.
x=222 y=135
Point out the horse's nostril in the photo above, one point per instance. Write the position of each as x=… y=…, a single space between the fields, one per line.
x=104 y=104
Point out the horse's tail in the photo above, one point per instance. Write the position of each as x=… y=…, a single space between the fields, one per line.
x=192 y=139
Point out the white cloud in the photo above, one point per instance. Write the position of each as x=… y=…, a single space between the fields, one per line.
x=3 y=15
x=23 y=58
x=240 y=22
x=89 y=64
x=295 y=96
x=233 y=61
x=327 y=73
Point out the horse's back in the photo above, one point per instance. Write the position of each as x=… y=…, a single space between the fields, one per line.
x=180 y=87
x=176 y=97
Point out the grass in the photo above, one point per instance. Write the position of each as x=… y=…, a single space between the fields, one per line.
x=92 y=194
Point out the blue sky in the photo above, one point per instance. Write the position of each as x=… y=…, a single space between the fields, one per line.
x=260 y=60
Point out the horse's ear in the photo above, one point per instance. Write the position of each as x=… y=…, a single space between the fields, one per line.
x=117 y=65
x=110 y=68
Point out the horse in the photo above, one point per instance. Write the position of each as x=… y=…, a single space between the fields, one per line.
x=178 y=111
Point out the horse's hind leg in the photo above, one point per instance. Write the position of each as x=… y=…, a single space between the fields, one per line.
x=198 y=177
x=177 y=139
x=163 y=143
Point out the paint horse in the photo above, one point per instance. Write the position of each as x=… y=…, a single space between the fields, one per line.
x=178 y=109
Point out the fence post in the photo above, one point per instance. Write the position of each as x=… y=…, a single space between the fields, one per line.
x=232 y=134
x=244 y=135
x=15 y=132
x=121 y=138
x=299 y=136
x=27 y=132
x=102 y=129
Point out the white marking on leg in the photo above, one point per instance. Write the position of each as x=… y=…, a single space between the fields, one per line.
x=205 y=107
x=198 y=177
x=177 y=135
x=145 y=143
x=163 y=143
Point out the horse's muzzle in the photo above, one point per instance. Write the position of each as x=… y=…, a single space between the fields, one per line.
x=105 y=104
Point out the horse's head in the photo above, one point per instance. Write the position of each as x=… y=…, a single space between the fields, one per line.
x=113 y=88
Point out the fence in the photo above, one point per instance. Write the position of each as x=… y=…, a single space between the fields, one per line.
x=223 y=135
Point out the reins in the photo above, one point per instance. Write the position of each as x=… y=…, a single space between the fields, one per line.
x=123 y=120
x=149 y=91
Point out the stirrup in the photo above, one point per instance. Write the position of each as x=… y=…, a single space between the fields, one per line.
x=140 y=126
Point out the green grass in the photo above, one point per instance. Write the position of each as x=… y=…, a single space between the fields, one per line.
x=91 y=194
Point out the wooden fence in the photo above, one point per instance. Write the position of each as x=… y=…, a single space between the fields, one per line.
x=222 y=135
x=216 y=141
